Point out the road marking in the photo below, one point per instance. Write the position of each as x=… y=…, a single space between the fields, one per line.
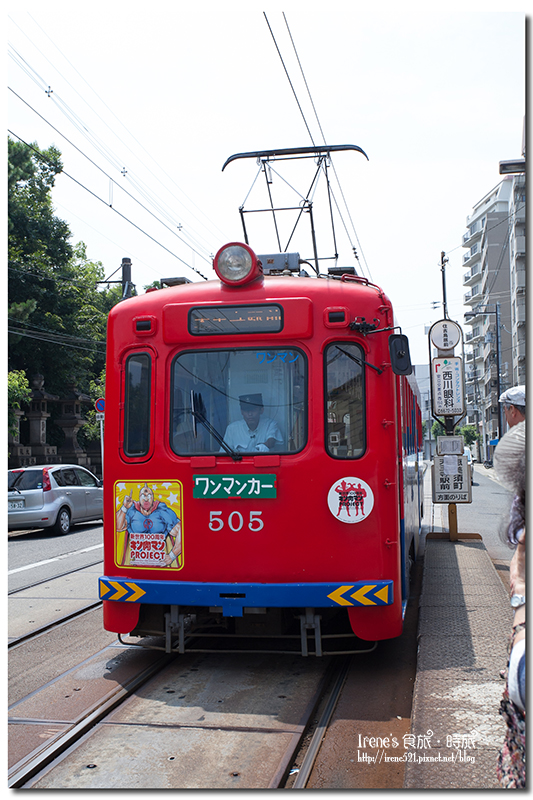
x=57 y=558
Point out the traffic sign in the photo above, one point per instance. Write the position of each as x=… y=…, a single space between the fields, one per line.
x=99 y=416
x=100 y=405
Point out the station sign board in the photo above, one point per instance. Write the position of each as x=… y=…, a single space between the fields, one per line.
x=451 y=479
x=445 y=334
x=450 y=445
x=447 y=386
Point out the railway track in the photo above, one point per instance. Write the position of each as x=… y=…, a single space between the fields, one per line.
x=56 y=623
x=241 y=708
x=131 y=718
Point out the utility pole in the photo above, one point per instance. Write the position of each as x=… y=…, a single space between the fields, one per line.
x=500 y=421
x=126 y=278
x=443 y=262
x=127 y=285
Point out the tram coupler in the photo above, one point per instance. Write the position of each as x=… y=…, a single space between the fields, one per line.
x=310 y=621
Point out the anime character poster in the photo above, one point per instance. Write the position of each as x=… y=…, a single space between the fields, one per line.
x=148 y=524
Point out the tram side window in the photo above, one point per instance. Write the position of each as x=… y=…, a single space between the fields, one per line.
x=137 y=408
x=239 y=400
x=345 y=408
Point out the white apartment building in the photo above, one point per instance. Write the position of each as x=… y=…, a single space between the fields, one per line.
x=489 y=358
x=517 y=221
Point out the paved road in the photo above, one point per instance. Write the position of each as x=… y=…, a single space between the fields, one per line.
x=40 y=555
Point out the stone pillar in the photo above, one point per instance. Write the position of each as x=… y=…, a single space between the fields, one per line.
x=19 y=454
x=70 y=422
x=37 y=416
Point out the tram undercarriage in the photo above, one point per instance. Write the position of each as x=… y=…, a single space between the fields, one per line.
x=309 y=631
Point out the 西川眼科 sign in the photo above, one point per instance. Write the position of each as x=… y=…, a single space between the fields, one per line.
x=447 y=386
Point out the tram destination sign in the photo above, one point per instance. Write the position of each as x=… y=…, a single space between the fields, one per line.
x=451 y=479
x=212 y=320
x=447 y=386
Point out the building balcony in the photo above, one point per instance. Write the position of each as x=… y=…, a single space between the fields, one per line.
x=472 y=235
x=521 y=315
x=472 y=297
x=475 y=336
x=520 y=246
x=470 y=277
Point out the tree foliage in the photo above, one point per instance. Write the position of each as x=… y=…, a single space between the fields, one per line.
x=469 y=432
x=18 y=393
x=57 y=314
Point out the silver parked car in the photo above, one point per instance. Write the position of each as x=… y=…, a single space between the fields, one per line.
x=53 y=496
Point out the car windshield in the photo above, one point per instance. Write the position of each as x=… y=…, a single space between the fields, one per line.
x=29 y=479
x=239 y=401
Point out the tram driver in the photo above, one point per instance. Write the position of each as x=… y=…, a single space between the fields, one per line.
x=254 y=433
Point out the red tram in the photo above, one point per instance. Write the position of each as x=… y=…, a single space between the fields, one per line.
x=261 y=457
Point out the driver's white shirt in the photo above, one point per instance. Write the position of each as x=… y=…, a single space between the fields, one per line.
x=238 y=435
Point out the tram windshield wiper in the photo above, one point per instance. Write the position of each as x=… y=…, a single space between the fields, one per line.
x=360 y=360
x=198 y=415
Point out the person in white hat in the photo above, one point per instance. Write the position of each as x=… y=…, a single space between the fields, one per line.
x=514 y=405
x=253 y=433
x=510 y=465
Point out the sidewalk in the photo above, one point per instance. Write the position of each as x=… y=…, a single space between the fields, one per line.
x=464 y=624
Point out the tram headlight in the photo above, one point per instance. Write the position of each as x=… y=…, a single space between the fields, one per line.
x=236 y=264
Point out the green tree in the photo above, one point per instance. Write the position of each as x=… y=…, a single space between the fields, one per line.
x=18 y=394
x=470 y=433
x=91 y=431
x=57 y=314
x=437 y=429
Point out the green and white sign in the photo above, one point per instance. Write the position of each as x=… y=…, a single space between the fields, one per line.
x=219 y=487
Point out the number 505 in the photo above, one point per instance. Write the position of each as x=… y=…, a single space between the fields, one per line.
x=235 y=521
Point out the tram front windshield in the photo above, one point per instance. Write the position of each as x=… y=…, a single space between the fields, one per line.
x=247 y=401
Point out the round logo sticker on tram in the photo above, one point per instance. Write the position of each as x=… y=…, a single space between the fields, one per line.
x=350 y=500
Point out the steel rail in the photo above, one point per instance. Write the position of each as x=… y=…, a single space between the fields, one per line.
x=318 y=735
x=61 y=575
x=28 y=768
x=54 y=624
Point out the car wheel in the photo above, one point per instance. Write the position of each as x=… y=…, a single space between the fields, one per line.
x=62 y=523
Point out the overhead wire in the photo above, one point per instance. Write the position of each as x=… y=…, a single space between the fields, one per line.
x=190 y=202
x=42 y=338
x=63 y=172
x=56 y=334
x=325 y=142
x=136 y=200
x=331 y=161
x=289 y=79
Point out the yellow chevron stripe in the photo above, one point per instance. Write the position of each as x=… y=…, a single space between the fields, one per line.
x=138 y=592
x=336 y=596
x=360 y=595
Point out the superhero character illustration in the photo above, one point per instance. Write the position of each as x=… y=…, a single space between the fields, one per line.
x=148 y=530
